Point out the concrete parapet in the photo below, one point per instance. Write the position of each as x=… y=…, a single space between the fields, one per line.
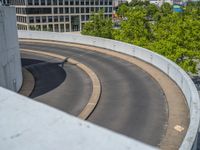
x=171 y=69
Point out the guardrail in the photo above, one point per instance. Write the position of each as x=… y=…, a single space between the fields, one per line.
x=170 y=68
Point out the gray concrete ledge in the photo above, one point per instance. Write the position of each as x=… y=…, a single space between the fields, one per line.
x=29 y=125
x=171 y=69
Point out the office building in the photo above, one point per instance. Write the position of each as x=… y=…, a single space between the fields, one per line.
x=58 y=15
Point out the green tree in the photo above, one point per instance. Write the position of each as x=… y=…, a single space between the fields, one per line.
x=166 y=9
x=177 y=37
x=98 y=26
x=138 y=3
x=153 y=12
x=136 y=29
x=173 y=35
x=122 y=10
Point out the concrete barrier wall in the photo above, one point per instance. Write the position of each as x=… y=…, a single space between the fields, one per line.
x=29 y=125
x=167 y=66
x=10 y=62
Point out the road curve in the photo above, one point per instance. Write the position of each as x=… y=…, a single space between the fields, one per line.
x=131 y=103
x=48 y=91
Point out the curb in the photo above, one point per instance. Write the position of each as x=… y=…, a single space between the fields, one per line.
x=96 y=89
x=26 y=89
x=96 y=86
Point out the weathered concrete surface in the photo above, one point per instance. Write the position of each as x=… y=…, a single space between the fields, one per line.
x=10 y=62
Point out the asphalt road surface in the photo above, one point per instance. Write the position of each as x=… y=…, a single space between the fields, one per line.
x=57 y=86
x=43 y=73
x=132 y=102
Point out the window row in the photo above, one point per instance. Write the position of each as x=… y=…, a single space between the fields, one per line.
x=45 y=19
x=69 y=2
x=49 y=19
x=86 y=17
x=21 y=19
x=62 y=10
x=21 y=27
x=17 y=2
x=51 y=27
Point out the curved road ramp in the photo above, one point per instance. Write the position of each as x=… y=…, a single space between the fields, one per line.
x=27 y=124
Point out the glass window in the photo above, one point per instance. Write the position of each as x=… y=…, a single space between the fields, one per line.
x=31 y=27
x=61 y=18
x=30 y=2
x=110 y=9
x=96 y=2
x=77 y=9
x=97 y=9
x=87 y=10
x=50 y=27
x=66 y=10
x=66 y=2
x=87 y=2
x=56 y=29
x=49 y=18
x=82 y=17
x=61 y=27
x=55 y=10
x=77 y=2
x=38 y=10
x=71 y=2
x=44 y=20
x=55 y=2
x=67 y=27
x=87 y=17
x=101 y=2
x=31 y=19
x=36 y=2
x=82 y=10
x=82 y=2
x=38 y=27
x=44 y=27
x=55 y=18
x=67 y=18
x=60 y=2
x=71 y=10
x=61 y=10
x=42 y=2
x=37 y=19
x=48 y=2
x=106 y=9
x=92 y=9
x=91 y=2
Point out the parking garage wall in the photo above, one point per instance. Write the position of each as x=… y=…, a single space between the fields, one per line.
x=170 y=68
x=10 y=62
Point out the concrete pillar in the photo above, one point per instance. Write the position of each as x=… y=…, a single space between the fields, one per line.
x=10 y=62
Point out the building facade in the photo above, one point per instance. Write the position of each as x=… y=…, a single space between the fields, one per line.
x=58 y=15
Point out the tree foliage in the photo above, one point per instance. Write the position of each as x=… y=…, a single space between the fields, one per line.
x=98 y=26
x=174 y=35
